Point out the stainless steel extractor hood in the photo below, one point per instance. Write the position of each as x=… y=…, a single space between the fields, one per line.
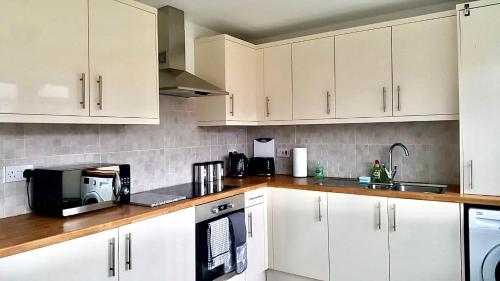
x=174 y=79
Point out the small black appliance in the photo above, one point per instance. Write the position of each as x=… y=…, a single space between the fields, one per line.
x=238 y=165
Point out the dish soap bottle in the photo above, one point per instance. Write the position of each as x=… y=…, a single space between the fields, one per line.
x=377 y=172
x=319 y=172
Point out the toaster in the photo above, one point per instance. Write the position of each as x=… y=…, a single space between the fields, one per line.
x=262 y=166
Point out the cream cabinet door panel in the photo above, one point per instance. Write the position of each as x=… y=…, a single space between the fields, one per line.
x=425 y=67
x=300 y=233
x=358 y=235
x=424 y=240
x=363 y=74
x=256 y=241
x=313 y=79
x=241 y=81
x=479 y=99
x=277 y=79
x=87 y=258
x=44 y=54
x=123 y=53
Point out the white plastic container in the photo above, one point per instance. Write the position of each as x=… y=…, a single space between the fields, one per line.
x=300 y=162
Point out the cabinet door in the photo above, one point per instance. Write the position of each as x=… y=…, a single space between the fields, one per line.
x=123 y=60
x=425 y=67
x=241 y=82
x=256 y=242
x=424 y=240
x=363 y=74
x=313 y=79
x=162 y=248
x=480 y=99
x=93 y=257
x=358 y=235
x=300 y=233
x=277 y=80
x=44 y=57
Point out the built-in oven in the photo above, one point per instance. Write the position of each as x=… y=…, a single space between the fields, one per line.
x=205 y=214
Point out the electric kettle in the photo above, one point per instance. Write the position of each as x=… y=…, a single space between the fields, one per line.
x=238 y=165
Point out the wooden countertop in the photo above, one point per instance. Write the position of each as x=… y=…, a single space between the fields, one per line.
x=31 y=231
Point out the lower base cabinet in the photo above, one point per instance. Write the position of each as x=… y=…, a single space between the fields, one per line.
x=93 y=257
x=300 y=233
x=160 y=248
x=372 y=238
x=424 y=240
x=358 y=228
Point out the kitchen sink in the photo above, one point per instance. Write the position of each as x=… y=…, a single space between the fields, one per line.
x=409 y=187
x=397 y=186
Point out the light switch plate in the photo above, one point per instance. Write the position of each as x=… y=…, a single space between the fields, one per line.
x=285 y=153
x=15 y=173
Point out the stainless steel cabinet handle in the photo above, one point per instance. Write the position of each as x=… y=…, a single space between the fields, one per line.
x=267 y=106
x=471 y=182
x=384 y=103
x=328 y=109
x=99 y=81
x=83 y=90
x=256 y=197
x=379 y=208
x=112 y=265
x=320 y=216
x=128 y=250
x=250 y=225
x=394 y=217
x=399 y=98
x=231 y=98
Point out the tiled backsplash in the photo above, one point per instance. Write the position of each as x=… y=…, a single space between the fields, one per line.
x=163 y=155
x=349 y=150
x=159 y=155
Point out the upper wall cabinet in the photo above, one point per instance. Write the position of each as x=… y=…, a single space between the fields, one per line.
x=78 y=62
x=44 y=56
x=313 y=79
x=479 y=97
x=277 y=88
x=123 y=72
x=425 y=67
x=230 y=64
x=364 y=74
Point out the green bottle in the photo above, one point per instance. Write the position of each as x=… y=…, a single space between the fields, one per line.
x=377 y=172
x=319 y=171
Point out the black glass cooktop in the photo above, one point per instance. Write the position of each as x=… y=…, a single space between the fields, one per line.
x=193 y=190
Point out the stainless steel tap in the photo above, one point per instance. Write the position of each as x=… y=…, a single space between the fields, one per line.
x=391 y=173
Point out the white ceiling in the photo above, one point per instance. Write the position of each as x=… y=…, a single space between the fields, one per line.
x=256 y=19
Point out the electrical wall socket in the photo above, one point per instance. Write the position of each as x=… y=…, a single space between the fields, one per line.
x=285 y=153
x=15 y=173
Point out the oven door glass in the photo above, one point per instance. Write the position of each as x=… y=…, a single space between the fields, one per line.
x=202 y=272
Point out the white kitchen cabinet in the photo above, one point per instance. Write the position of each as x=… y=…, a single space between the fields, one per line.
x=300 y=233
x=256 y=215
x=123 y=60
x=277 y=88
x=44 y=56
x=230 y=64
x=363 y=74
x=425 y=67
x=480 y=98
x=313 y=79
x=424 y=240
x=78 y=62
x=358 y=228
x=93 y=257
x=161 y=248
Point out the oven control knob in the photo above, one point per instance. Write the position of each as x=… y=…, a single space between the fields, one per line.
x=215 y=210
x=230 y=206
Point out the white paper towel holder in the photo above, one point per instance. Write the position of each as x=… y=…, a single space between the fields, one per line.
x=300 y=162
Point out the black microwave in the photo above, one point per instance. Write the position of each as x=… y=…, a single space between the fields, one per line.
x=71 y=190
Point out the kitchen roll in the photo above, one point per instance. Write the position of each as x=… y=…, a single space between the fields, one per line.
x=300 y=162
